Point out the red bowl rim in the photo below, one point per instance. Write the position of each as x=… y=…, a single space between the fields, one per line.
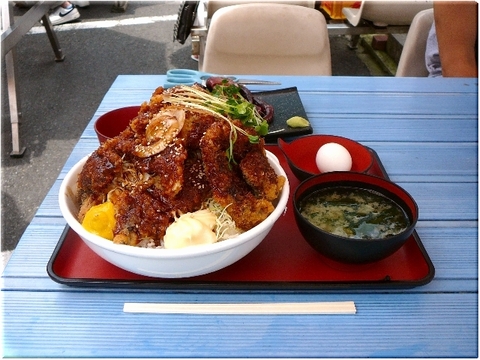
x=307 y=139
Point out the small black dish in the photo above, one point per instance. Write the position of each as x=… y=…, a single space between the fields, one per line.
x=286 y=104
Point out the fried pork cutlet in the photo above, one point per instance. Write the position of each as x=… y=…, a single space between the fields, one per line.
x=97 y=178
x=248 y=208
x=139 y=216
x=258 y=173
x=171 y=160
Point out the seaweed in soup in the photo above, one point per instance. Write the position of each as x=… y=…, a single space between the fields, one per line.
x=354 y=213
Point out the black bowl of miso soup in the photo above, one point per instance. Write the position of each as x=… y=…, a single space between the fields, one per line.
x=354 y=217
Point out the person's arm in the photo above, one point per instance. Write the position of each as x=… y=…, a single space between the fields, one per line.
x=456 y=27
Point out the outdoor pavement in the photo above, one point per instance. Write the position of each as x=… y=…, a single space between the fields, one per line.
x=59 y=99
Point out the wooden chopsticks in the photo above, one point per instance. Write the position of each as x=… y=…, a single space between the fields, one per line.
x=320 y=308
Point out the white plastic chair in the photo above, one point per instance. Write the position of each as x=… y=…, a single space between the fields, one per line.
x=268 y=38
x=207 y=8
x=384 y=13
x=214 y=5
x=412 y=59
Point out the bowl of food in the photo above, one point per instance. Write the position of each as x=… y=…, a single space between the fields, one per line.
x=315 y=154
x=354 y=218
x=113 y=122
x=181 y=192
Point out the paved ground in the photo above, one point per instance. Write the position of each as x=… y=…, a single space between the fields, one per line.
x=59 y=99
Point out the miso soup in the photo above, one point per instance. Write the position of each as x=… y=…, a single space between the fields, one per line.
x=354 y=213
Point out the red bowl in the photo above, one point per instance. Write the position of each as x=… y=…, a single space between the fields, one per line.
x=114 y=122
x=301 y=153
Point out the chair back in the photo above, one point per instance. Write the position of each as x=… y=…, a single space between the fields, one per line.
x=267 y=38
x=412 y=59
x=384 y=13
x=214 y=5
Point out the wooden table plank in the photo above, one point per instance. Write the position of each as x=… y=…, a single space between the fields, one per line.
x=372 y=332
x=338 y=84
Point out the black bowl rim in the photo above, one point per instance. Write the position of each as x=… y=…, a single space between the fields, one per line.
x=409 y=229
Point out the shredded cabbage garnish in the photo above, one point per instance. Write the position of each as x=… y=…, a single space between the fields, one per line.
x=226 y=227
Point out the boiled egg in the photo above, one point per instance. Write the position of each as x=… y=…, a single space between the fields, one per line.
x=333 y=157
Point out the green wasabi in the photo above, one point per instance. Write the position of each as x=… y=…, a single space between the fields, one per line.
x=297 y=122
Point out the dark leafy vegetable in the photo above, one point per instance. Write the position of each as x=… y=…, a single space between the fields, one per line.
x=265 y=110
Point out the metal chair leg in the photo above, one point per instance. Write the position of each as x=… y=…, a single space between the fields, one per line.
x=53 y=38
x=10 y=68
x=12 y=32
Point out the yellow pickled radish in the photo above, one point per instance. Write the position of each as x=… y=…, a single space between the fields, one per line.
x=100 y=220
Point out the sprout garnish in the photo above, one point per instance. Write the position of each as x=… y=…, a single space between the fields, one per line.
x=226 y=102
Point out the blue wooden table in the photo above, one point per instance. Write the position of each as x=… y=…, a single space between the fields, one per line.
x=424 y=131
